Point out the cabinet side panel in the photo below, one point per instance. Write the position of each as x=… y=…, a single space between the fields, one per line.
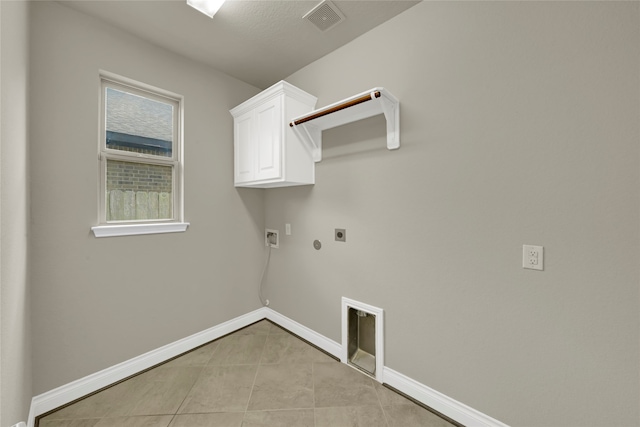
x=300 y=164
x=243 y=155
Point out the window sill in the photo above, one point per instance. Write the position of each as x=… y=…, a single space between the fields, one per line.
x=137 y=229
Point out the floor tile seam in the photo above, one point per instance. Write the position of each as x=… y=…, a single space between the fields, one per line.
x=273 y=324
x=194 y=365
x=386 y=416
x=293 y=408
x=216 y=348
x=255 y=377
x=313 y=385
x=228 y=411
x=359 y=387
x=354 y=405
x=171 y=420
x=139 y=416
x=231 y=364
x=232 y=351
x=248 y=335
x=384 y=413
x=273 y=363
x=105 y=415
x=315 y=412
x=281 y=410
x=73 y=419
x=386 y=421
x=185 y=353
x=155 y=414
x=188 y=392
x=287 y=363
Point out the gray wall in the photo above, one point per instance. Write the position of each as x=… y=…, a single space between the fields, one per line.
x=98 y=302
x=15 y=333
x=519 y=126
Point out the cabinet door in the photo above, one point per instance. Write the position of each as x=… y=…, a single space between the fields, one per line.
x=243 y=148
x=268 y=137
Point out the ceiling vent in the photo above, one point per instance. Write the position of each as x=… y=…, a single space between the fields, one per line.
x=325 y=15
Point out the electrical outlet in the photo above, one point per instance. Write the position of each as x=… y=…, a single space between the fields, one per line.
x=532 y=257
x=341 y=235
x=271 y=238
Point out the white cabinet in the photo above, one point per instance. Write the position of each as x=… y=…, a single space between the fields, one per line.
x=266 y=151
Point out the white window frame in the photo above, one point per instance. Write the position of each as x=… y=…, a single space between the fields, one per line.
x=126 y=228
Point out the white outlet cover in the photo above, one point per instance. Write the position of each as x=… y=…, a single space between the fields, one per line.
x=533 y=257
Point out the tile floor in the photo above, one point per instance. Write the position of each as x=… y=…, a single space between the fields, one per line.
x=258 y=376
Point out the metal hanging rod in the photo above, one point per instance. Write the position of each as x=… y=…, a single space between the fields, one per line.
x=338 y=107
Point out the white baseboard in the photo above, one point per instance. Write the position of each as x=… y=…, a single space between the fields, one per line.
x=69 y=392
x=20 y=424
x=302 y=331
x=445 y=405
x=434 y=399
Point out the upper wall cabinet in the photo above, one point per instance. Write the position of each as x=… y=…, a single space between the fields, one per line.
x=266 y=151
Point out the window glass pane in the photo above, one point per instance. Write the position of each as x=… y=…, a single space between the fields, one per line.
x=138 y=191
x=138 y=124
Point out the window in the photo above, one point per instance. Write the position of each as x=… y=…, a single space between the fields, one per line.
x=140 y=159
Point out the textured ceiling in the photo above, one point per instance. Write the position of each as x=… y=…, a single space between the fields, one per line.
x=259 y=42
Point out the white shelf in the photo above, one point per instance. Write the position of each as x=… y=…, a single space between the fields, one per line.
x=308 y=128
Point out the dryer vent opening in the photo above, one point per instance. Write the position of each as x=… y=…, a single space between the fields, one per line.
x=362 y=337
x=362 y=340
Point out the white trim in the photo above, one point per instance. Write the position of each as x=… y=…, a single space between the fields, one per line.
x=153 y=91
x=303 y=332
x=69 y=392
x=20 y=424
x=62 y=395
x=136 y=229
x=434 y=399
x=176 y=161
x=274 y=91
x=379 y=314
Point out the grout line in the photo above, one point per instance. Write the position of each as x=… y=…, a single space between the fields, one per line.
x=313 y=383
x=172 y=418
x=255 y=377
x=189 y=392
x=384 y=413
x=215 y=350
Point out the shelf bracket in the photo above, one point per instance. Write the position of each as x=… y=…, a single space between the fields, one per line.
x=311 y=137
x=308 y=128
x=391 y=112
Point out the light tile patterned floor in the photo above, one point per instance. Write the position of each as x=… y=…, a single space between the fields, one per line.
x=258 y=376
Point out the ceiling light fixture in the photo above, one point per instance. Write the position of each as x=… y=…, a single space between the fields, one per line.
x=208 y=7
